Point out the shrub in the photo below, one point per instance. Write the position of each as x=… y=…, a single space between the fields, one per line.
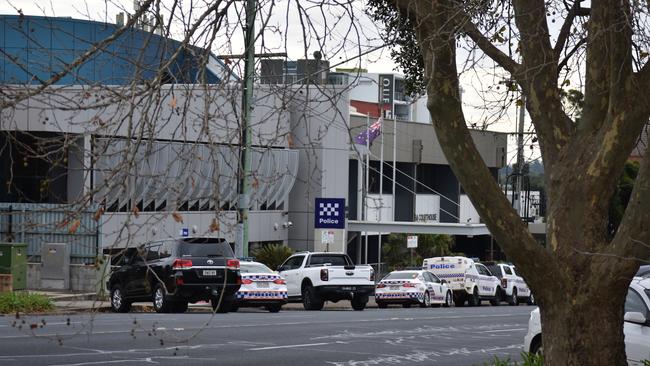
x=24 y=302
x=272 y=254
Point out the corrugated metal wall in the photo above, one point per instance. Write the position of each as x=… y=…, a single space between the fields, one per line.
x=36 y=224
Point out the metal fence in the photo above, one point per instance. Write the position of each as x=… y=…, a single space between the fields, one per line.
x=36 y=224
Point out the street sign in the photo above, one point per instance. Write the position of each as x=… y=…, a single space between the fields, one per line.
x=329 y=213
x=412 y=241
x=327 y=236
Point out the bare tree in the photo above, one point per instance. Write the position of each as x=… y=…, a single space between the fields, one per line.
x=162 y=144
x=580 y=277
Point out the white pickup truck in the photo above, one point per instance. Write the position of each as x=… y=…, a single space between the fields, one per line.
x=314 y=278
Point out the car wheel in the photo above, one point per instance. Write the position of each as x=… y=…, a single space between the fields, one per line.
x=536 y=347
x=459 y=301
x=160 y=302
x=359 y=303
x=531 y=299
x=513 y=300
x=274 y=308
x=448 y=300
x=426 y=301
x=496 y=301
x=309 y=299
x=223 y=306
x=406 y=305
x=180 y=306
x=474 y=300
x=118 y=303
x=382 y=305
x=233 y=308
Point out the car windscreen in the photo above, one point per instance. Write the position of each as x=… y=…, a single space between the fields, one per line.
x=333 y=260
x=644 y=271
x=205 y=247
x=254 y=268
x=401 y=276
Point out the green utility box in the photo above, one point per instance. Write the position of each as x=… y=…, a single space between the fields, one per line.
x=13 y=261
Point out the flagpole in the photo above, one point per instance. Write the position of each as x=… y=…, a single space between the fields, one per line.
x=365 y=201
x=381 y=186
x=394 y=163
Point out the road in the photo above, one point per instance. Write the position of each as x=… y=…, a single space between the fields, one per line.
x=434 y=336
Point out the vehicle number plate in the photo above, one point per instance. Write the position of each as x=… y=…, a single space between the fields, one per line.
x=210 y=272
x=394 y=287
x=349 y=288
x=263 y=284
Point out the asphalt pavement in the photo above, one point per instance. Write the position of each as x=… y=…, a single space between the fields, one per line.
x=432 y=336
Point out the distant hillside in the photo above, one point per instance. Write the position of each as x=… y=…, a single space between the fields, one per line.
x=534 y=170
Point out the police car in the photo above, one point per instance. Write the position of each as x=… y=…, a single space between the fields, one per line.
x=412 y=287
x=514 y=287
x=636 y=325
x=469 y=281
x=260 y=286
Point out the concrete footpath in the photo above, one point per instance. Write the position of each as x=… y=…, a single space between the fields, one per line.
x=85 y=302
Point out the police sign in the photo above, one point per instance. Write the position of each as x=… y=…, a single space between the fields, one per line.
x=329 y=213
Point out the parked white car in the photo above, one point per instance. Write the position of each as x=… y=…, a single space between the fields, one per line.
x=409 y=287
x=636 y=326
x=514 y=287
x=314 y=278
x=469 y=281
x=260 y=286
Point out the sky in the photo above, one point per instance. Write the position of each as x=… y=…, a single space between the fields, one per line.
x=343 y=42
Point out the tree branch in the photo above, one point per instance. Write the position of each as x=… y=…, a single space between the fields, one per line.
x=574 y=11
x=488 y=48
x=570 y=54
x=633 y=236
x=539 y=80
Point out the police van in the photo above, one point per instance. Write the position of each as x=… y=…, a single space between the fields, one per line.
x=469 y=281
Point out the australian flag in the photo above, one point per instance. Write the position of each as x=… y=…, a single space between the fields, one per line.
x=373 y=132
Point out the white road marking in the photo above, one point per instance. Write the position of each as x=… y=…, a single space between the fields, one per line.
x=296 y=346
x=503 y=330
x=347 y=321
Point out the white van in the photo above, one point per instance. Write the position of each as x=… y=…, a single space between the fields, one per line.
x=470 y=281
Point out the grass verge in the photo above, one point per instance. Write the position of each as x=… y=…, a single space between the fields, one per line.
x=24 y=302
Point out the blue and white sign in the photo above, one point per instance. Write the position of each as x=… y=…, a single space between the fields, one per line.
x=329 y=213
x=185 y=232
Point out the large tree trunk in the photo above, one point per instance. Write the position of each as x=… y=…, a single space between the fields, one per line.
x=581 y=325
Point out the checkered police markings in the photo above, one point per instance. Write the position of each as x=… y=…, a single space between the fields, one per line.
x=399 y=295
x=261 y=295
x=328 y=209
x=260 y=277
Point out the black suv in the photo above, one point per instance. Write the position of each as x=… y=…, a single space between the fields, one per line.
x=173 y=272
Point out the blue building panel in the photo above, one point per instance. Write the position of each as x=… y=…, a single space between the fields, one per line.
x=40 y=47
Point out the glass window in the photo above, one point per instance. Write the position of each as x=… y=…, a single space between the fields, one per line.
x=166 y=249
x=254 y=268
x=507 y=270
x=152 y=252
x=333 y=260
x=494 y=269
x=634 y=302
x=205 y=247
x=434 y=278
x=401 y=276
x=293 y=263
x=481 y=269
